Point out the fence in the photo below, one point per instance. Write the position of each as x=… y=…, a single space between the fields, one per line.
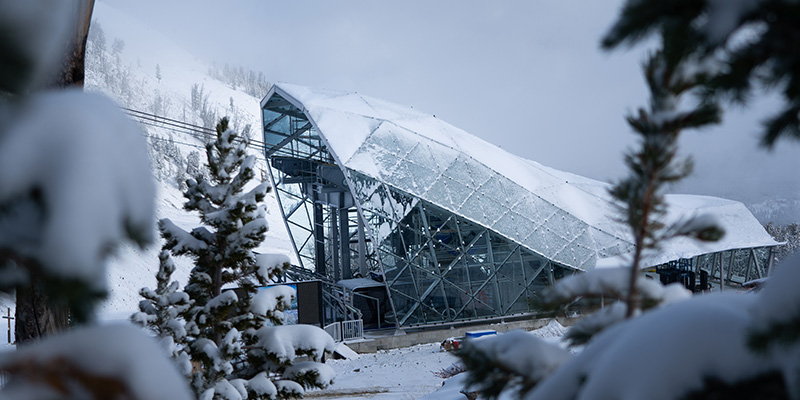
x=346 y=330
x=353 y=329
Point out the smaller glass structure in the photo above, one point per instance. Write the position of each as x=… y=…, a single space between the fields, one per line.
x=455 y=228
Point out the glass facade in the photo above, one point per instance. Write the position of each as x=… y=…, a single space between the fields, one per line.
x=450 y=238
x=737 y=266
x=438 y=266
x=442 y=267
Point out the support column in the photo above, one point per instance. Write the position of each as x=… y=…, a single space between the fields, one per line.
x=319 y=239
x=334 y=227
x=770 y=259
x=362 y=248
x=721 y=272
x=344 y=241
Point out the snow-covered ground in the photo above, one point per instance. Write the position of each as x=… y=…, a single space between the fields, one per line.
x=400 y=374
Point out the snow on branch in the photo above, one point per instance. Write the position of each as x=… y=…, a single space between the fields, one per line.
x=289 y=341
x=689 y=342
x=610 y=283
x=270 y=265
x=179 y=240
x=317 y=374
x=515 y=360
x=269 y=302
x=106 y=361
x=86 y=165
x=776 y=314
x=587 y=327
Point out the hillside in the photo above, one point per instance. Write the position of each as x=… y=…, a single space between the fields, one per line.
x=146 y=72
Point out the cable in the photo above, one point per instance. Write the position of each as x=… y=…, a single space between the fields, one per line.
x=189 y=128
x=183 y=127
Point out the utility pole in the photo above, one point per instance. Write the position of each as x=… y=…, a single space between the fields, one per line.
x=9 y=318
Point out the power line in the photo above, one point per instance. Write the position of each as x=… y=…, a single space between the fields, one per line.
x=197 y=131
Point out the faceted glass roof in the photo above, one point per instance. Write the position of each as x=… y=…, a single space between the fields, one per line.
x=564 y=217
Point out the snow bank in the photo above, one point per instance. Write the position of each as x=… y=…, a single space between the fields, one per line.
x=451 y=389
x=553 y=329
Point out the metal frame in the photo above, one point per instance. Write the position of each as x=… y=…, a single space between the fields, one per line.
x=437 y=265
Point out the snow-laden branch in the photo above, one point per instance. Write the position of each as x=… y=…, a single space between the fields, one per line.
x=106 y=361
x=76 y=170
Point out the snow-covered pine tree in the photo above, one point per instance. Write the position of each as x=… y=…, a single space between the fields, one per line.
x=654 y=166
x=496 y=366
x=789 y=234
x=63 y=210
x=161 y=312
x=226 y=332
x=757 y=39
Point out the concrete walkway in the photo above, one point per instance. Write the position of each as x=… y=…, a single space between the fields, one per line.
x=397 y=338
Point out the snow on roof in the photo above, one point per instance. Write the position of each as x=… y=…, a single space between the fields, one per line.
x=564 y=217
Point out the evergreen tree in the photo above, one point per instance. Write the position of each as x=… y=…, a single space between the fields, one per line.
x=225 y=333
x=63 y=154
x=789 y=235
x=640 y=198
x=653 y=167
x=757 y=41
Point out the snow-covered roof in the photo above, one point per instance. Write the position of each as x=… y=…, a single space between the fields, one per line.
x=564 y=217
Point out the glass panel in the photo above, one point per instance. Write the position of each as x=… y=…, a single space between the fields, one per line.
x=502 y=248
x=402 y=204
x=538 y=285
x=456 y=299
x=385 y=162
x=501 y=190
x=482 y=209
x=401 y=177
x=510 y=282
x=468 y=172
x=458 y=193
x=363 y=187
x=514 y=225
x=432 y=156
x=422 y=177
x=439 y=194
x=384 y=138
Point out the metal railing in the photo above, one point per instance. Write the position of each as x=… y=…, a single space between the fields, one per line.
x=335 y=330
x=346 y=330
x=353 y=329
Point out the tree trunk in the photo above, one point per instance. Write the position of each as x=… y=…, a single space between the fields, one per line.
x=37 y=315
x=72 y=68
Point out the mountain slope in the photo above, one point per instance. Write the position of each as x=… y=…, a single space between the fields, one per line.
x=144 y=71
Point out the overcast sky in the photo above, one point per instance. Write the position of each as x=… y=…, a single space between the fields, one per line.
x=526 y=75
